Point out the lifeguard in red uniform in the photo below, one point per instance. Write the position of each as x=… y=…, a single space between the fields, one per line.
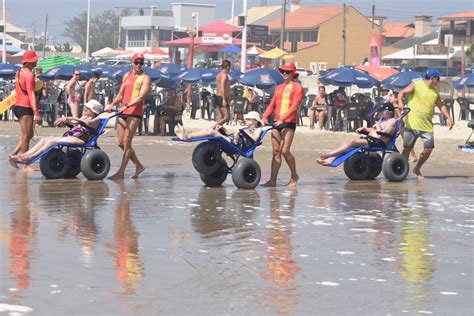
x=284 y=105
x=135 y=87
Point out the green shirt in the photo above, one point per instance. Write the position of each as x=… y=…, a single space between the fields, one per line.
x=422 y=103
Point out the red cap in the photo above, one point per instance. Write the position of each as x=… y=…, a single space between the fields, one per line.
x=29 y=57
x=289 y=67
x=138 y=56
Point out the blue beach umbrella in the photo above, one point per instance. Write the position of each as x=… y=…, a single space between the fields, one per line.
x=346 y=77
x=262 y=78
x=173 y=70
x=401 y=80
x=465 y=81
x=107 y=71
x=198 y=75
x=8 y=71
x=157 y=77
x=230 y=49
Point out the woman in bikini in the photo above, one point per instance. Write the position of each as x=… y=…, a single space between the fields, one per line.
x=377 y=136
x=74 y=91
x=81 y=129
x=318 y=109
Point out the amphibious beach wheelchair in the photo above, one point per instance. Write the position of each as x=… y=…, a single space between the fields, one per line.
x=469 y=145
x=64 y=160
x=213 y=168
x=366 y=163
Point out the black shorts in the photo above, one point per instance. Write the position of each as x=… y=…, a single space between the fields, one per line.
x=375 y=142
x=219 y=101
x=19 y=111
x=126 y=116
x=286 y=125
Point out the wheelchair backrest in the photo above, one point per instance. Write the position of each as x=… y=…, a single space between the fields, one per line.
x=92 y=142
x=396 y=133
x=249 y=144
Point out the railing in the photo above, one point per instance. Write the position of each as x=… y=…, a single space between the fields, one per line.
x=138 y=43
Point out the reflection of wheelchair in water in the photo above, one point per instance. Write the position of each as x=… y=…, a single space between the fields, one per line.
x=366 y=163
x=213 y=168
x=64 y=160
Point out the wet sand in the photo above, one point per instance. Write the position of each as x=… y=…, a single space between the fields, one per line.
x=167 y=245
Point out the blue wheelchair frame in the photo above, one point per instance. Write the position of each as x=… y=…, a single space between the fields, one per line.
x=365 y=150
x=89 y=145
x=233 y=151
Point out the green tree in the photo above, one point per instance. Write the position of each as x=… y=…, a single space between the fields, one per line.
x=103 y=30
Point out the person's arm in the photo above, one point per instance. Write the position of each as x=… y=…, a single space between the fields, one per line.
x=445 y=112
x=69 y=87
x=270 y=108
x=87 y=91
x=401 y=95
x=145 y=88
x=297 y=98
x=256 y=134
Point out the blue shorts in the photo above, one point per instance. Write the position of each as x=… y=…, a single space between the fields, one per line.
x=411 y=135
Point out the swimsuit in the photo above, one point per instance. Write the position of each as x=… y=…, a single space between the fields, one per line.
x=80 y=132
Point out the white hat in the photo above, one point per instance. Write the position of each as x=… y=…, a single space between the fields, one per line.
x=253 y=115
x=94 y=106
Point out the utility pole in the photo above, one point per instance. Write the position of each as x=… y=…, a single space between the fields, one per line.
x=243 y=60
x=283 y=24
x=45 y=32
x=34 y=34
x=4 y=36
x=119 y=30
x=232 y=12
x=344 y=34
x=88 y=29
x=381 y=34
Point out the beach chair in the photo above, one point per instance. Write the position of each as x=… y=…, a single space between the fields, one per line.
x=469 y=145
x=64 y=160
x=366 y=163
x=213 y=169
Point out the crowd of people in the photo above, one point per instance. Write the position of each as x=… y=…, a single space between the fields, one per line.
x=283 y=112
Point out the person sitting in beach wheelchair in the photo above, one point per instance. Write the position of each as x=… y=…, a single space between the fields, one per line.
x=83 y=133
x=360 y=155
x=239 y=146
x=469 y=145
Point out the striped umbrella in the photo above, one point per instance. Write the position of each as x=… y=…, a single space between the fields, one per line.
x=49 y=63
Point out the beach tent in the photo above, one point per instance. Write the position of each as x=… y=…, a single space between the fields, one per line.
x=276 y=53
x=105 y=52
x=254 y=51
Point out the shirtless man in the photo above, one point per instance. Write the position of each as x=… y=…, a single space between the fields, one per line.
x=222 y=94
x=135 y=87
x=89 y=89
x=377 y=136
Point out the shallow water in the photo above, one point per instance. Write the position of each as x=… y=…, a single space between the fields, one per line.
x=167 y=245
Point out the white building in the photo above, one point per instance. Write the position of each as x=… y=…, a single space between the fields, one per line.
x=150 y=28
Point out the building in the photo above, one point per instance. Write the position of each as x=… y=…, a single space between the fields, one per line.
x=460 y=25
x=315 y=34
x=259 y=15
x=396 y=31
x=15 y=36
x=152 y=26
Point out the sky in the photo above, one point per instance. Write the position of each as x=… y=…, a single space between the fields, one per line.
x=24 y=12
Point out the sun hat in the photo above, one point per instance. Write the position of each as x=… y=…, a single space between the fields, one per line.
x=388 y=106
x=95 y=106
x=432 y=73
x=138 y=56
x=29 y=57
x=253 y=115
x=289 y=67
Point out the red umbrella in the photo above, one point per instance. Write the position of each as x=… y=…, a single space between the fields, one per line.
x=379 y=73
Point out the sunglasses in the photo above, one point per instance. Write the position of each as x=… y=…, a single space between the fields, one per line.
x=77 y=74
x=138 y=62
x=286 y=72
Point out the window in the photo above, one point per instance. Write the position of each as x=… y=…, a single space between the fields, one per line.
x=165 y=35
x=294 y=36
x=138 y=38
x=310 y=36
x=136 y=35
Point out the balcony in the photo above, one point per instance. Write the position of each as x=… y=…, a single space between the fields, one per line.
x=138 y=44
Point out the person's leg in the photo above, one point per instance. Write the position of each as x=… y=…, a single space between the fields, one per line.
x=355 y=142
x=223 y=114
x=26 y=128
x=128 y=152
x=322 y=115
x=428 y=144
x=287 y=135
x=38 y=148
x=74 y=109
x=162 y=123
x=412 y=153
x=311 y=118
x=276 y=158
x=121 y=128
x=409 y=139
x=203 y=133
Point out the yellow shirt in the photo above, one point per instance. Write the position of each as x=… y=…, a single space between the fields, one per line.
x=285 y=99
x=421 y=103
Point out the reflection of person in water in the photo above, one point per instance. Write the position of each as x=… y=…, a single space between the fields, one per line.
x=416 y=267
x=281 y=267
x=129 y=265
x=22 y=237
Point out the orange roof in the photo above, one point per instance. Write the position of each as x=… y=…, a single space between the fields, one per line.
x=398 y=29
x=306 y=17
x=457 y=16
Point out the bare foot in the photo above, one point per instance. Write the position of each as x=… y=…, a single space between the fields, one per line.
x=413 y=159
x=324 y=155
x=178 y=133
x=117 y=176
x=292 y=183
x=325 y=162
x=418 y=174
x=24 y=157
x=138 y=171
x=12 y=162
x=28 y=168
x=269 y=184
